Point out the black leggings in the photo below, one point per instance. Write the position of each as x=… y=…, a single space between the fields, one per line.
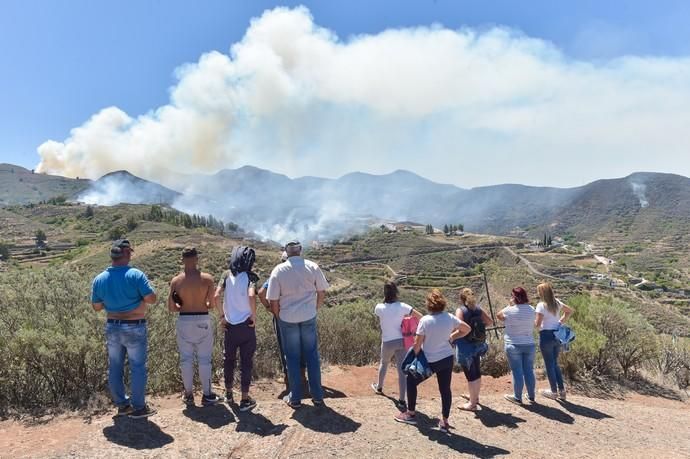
x=444 y=373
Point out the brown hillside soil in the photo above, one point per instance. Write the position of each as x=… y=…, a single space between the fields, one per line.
x=358 y=423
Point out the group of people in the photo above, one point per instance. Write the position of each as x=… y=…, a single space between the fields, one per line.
x=459 y=340
x=293 y=293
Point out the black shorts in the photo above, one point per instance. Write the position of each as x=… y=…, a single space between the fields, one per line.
x=474 y=371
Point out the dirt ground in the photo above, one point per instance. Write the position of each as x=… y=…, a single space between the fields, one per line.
x=358 y=423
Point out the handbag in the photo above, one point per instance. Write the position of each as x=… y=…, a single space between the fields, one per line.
x=416 y=366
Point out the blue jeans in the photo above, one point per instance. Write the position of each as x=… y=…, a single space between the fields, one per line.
x=550 y=348
x=521 y=360
x=130 y=340
x=300 y=342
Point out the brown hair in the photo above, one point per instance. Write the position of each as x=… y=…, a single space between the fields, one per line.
x=390 y=292
x=520 y=295
x=545 y=292
x=435 y=301
x=465 y=294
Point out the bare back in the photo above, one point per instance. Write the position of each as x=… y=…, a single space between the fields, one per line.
x=195 y=289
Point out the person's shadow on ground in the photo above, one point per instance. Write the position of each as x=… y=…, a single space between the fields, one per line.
x=136 y=433
x=215 y=416
x=256 y=423
x=584 y=411
x=458 y=443
x=492 y=418
x=324 y=419
x=548 y=412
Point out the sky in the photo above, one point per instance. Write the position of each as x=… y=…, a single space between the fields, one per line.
x=472 y=93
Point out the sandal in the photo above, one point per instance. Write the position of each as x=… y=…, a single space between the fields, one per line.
x=443 y=427
x=468 y=407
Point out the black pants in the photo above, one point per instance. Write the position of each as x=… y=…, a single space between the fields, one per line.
x=242 y=337
x=444 y=373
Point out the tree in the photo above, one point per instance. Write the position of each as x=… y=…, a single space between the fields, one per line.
x=131 y=223
x=4 y=251
x=545 y=240
x=116 y=232
x=461 y=227
x=40 y=236
x=549 y=241
x=156 y=213
x=88 y=213
x=446 y=230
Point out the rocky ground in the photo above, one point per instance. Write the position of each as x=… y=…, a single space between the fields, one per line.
x=358 y=423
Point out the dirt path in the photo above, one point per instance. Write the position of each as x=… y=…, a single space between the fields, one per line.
x=358 y=423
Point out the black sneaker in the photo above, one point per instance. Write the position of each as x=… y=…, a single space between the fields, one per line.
x=210 y=400
x=318 y=402
x=188 y=399
x=229 y=398
x=247 y=404
x=144 y=412
x=402 y=405
x=125 y=410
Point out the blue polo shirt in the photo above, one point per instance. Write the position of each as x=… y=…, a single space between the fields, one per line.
x=120 y=288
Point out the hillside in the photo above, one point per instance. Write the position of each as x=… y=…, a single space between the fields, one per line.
x=122 y=187
x=614 y=211
x=22 y=186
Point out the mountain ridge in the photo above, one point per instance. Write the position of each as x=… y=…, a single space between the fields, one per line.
x=320 y=207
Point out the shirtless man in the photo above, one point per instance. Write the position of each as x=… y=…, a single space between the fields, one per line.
x=125 y=293
x=191 y=295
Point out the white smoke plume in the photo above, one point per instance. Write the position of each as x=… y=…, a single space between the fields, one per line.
x=295 y=98
x=639 y=190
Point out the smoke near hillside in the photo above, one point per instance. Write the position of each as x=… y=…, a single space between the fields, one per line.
x=295 y=98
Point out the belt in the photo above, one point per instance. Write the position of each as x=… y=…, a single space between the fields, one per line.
x=127 y=321
x=205 y=313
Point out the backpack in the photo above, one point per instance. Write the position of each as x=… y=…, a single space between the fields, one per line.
x=241 y=260
x=474 y=319
x=409 y=329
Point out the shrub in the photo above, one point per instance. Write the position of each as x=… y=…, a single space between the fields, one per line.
x=4 y=251
x=610 y=336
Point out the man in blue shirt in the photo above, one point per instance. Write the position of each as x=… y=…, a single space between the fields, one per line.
x=125 y=293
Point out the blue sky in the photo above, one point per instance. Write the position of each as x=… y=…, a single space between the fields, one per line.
x=65 y=61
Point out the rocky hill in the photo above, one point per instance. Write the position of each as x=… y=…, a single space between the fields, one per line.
x=274 y=205
x=22 y=186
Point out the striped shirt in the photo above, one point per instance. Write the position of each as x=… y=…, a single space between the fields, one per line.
x=519 y=324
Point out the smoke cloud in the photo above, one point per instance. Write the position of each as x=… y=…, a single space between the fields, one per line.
x=639 y=190
x=295 y=98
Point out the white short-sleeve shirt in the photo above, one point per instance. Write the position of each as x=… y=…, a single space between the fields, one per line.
x=294 y=283
x=436 y=329
x=550 y=321
x=391 y=316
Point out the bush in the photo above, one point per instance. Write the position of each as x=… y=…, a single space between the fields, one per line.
x=116 y=232
x=4 y=251
x=611 y=337
x=673 y=359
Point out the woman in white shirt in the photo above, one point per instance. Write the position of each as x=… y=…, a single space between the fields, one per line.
x=434 y=338
x=391 y=314
x=519 y=344
x=551 y=313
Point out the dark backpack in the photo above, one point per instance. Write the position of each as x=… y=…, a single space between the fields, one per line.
x=474 y=319
x=241 y=260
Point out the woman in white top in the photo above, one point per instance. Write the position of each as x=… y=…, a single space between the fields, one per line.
x=519 y=344
x=434 y=335
x=391 y=314
x=551 y=313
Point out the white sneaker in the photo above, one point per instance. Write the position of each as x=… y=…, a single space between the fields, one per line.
x=548 y=394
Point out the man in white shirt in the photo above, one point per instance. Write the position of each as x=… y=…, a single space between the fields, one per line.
x=296 y=290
